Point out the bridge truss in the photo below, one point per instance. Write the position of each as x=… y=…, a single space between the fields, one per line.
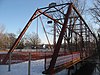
x=75 y=38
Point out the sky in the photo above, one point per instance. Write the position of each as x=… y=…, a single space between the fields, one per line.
x=14 y=14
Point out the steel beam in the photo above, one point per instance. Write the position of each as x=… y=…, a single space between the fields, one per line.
x=57 y=47
x=55 y=6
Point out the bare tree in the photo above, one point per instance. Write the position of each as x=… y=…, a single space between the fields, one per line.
x=12 y=38
x=31 y=40
x=95 y=12
x=34 y=39
x=2 y=36
x=21 y=44
x=5 y=41
x=2 y=28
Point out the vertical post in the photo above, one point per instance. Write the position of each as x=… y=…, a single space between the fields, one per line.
x=9 y=65
x=86 y=41
x=45 y=61
x=71 y=46
x=37 y=36
x=29 y=63
x=76 y=67
x=82 y=42
x=89 y=44
x=54 y=34
x=76 y=42
x=64 y=46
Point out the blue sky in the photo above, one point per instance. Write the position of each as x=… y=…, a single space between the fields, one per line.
x=14 y=14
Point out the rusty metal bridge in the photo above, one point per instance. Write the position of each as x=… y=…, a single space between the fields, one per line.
x=73 y=41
